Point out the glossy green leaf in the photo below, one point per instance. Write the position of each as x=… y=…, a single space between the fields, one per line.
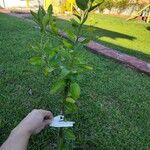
x=40 y=19
x=48 y=70
x=75 y=90
x=45 y=20
x=40 y=14
x=42 y=11
x=71 y=35
x=57 y=87
x=51 y=53
x=84 y=19
x=70 y=100
x=88 y=67
x=74 y=23
x=82 y=4
x=54 y=28
x=74 y=71
x=36 y=60
x=50 y=10
x=67 y=44
x=64 y=73
x=34 y=15
x=71 y=108
x=85 y=41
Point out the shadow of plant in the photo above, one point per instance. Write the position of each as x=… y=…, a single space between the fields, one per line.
x=148 y=28
x=100 y=32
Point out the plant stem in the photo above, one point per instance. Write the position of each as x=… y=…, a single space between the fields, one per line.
x=61 y=139
x=85 y=14
x=61 y=131
x=78 y=34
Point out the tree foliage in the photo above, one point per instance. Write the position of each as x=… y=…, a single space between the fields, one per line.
x=62 y=59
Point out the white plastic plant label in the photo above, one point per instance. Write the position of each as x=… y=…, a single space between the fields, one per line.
x=58 y=122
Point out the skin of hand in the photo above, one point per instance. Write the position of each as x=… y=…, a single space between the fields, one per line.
x=33 y=123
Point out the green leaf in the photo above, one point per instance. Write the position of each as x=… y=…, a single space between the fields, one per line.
x=48 y=70
x=70 y=100
x=50 y=10
x=35 y=16
x=75 y=90
x=71 y=108
x=88 y=67
x=45 y=20
x=85 y=41
x=64 y=73
x=52 y=53
x=84 y=19
x=74 y=23
x=71 y=35
x=40 y=18
x=71 y=51
x=67 y=44
x=54 y=28
x=42 y=11
x=58 y=86
x=36 y=60
x=33 y=13
x=69 y=135
x=95 y=6
x=82 y=4
x=40 y=14
x=74 y=72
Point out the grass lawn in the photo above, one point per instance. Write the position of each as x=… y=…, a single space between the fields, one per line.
x=115 y=100
x=132 y=37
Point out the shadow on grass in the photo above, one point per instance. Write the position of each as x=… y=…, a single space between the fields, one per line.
x=148 y=28
x=99 y=32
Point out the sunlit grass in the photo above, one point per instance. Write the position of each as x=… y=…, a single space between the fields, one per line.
x=137 y=30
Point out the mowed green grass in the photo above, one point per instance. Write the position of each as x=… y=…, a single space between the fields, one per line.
x=131 y=37
x=113 y=108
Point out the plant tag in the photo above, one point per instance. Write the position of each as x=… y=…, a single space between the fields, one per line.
x=58 y=122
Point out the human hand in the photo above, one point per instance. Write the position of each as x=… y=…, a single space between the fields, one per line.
x=34 y=122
